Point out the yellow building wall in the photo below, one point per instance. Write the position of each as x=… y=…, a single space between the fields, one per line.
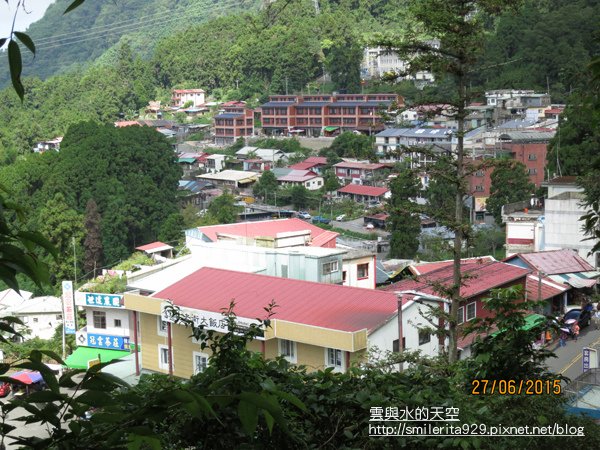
x=309 y=355
x=313 y=335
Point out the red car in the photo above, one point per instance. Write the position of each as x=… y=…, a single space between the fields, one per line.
x=4 y=389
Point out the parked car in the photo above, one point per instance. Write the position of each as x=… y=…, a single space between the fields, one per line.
x=304 y=215
x=5 y=389
x=320 y=219
x=341 y=217
x=582 y=316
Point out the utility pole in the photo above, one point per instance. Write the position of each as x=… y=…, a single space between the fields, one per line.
x=74 y=264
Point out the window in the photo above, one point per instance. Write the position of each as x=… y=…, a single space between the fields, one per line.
x=479 y=188
x=330 y=267
x=200 y=362
x=117 y=323
x=461 y=315
x=362 y=271
x=59 y=317
x=334 y=358
x=163 y=357
x=344 y=276
x=35 y=320
x=479 y=173
x=532 y=157
x=424 y=336
x=284 y=271
x=395 y=347
x=162 y=327
x=532 y=171
x=287 y=349
x=99 y=319
x=471 y=311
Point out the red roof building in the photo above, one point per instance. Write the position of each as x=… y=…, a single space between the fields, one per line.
x=357 y=170
x=317 y=304
x=553 y=262
x=272 y=228
x=360 y=193
x=421 y=269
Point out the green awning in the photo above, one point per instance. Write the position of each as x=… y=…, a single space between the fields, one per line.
x=187 y=160
x=331 y=128
x=531 y=321
x=80 y=357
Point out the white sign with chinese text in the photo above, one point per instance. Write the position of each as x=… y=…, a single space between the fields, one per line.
x=69 y=314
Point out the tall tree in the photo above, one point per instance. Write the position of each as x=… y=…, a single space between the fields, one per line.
x=445 y=36
x=266 y=185
x=405 y=224
x=299 y=196
x=93 y=238
x=223 y=209
x=510 y=183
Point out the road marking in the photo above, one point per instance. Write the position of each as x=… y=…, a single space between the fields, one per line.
x=578 y=357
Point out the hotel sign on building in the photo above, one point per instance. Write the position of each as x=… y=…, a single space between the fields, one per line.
x=209 y=320
x=100 y=300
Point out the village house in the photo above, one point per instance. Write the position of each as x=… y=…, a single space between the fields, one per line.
x=40 y=315
x=237 y=179
x=359 y=172
x=198 y=193
x=180 y=97
x=364 y=194
x=315 y=164
x=480 y=276
x=392 y=144
x=305 y=329
x=292 y=177
x=44 y=146
x=215 y=163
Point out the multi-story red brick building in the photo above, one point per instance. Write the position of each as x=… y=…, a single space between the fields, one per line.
x=527 y=147
x=315 y=115
x=234 y=122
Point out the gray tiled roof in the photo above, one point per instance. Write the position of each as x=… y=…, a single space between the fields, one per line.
x=416 y=132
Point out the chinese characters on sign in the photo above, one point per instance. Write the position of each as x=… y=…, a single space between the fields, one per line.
x=104 y=300
x=68 y=308
x=109 y=342
x=589 y=358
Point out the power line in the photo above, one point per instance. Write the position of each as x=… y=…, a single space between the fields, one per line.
x=127 y=21
x=107 y=32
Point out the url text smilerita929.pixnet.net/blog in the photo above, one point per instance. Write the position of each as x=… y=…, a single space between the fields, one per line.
x=439 y=421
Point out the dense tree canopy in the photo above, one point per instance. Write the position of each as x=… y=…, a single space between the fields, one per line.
x=405 y=222
x=510 y=183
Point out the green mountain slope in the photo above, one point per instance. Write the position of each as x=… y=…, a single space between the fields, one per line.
x=81 y=36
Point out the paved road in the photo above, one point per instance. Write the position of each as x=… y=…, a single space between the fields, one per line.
x=568 y=361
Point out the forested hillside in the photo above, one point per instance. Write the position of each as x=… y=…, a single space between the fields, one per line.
x=84 y=34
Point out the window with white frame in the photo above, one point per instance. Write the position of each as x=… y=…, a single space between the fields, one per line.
x=162 y=326
x=471 y=311
x=287 y=349
x=200 y=362
x=99 y=319
x=117 y=323
x=334 y=358
x=163 y=357
x=461 y=315
x=330 y=267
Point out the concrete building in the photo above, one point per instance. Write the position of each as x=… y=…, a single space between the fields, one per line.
x=393 y=144
x=378 y=61
x=364 y=194
x=41 y=316
x=233 y=123
x=180 y=97
x=232 y=179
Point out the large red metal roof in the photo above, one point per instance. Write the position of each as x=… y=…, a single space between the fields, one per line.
x=477 y=278
x=153 y=246
x=544 y=290
x=420 y=269
x=363 y=190
x=359 y=165
x=317 y=304
x=320 y=237
x=553 y=262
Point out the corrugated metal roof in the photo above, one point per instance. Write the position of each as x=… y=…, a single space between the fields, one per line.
x=319 y=236
x=153 y=246
x=316 y=160
x=547 y=288
x=554 y=262
x=363 y=190
x=322 y=305
x=359 y=165
x=528 y=136
x=480 y=278
x=416 y=132
x=274 y=104
x=421 y=269
x=229 y=116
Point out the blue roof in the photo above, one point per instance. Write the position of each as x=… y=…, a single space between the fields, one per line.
x=416 y=132
x=281 y=104
x=229 y=116
x=313 y=104
x=194 y=186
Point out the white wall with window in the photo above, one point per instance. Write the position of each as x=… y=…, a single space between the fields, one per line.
x=414 y=331
x=109 y=321
x=288 y=350
x=360 y=272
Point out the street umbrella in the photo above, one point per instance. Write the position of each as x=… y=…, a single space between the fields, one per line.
x=570 y=321
x=27 y=377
